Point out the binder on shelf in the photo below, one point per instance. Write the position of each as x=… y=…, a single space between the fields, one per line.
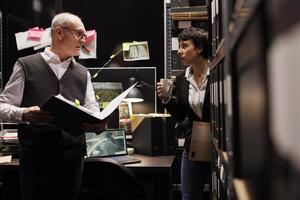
x=70 y=116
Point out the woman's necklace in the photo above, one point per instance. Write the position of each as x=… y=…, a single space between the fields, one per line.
x=199 y=79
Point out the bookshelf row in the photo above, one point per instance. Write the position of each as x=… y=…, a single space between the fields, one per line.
x=178 y=17
x=229 y=21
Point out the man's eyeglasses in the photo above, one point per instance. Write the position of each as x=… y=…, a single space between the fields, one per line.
x=78 y=33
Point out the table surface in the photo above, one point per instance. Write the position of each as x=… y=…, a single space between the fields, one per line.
x=147 y=162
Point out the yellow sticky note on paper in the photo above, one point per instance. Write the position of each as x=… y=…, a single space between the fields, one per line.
x=126 y=46
x=76 y=103
x=105 y=104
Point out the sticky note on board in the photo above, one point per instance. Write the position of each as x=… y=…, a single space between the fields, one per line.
x=90 y=35
x=45 y=40
x=23 y=42
x=126 y=46
x=89 y=51
x=35 y=33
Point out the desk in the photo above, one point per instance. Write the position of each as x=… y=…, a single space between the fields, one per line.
x=155 y=173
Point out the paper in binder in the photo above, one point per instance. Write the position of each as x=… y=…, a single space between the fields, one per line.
x=70 y=116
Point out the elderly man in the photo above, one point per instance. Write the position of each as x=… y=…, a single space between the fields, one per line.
x=51 y=160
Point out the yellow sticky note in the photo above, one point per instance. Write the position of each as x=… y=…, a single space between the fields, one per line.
x=105 y=104
x=76 y=103
x=126 y=46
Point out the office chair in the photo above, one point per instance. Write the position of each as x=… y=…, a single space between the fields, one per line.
x=106 y=179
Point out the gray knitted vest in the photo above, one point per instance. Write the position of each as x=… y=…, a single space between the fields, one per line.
x=40 y=84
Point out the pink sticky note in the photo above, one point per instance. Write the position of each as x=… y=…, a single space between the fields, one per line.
x=90 y=35
x=35 y=33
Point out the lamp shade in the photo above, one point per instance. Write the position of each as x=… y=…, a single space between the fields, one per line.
x=135 y=94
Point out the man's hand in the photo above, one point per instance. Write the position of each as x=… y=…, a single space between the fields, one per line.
x=35 y=115
x=96 y=128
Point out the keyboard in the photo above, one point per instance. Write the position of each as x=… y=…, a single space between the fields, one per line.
x=125 y=159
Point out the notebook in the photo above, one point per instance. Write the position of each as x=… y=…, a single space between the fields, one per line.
x=110 y=143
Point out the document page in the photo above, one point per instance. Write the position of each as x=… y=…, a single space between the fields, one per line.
x=107 y=110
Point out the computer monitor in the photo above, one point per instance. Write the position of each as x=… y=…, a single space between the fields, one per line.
x=109 y=143
x=106 y=91
x=122 y=75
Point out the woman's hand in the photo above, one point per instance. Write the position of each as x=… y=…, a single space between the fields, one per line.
x=159 y=91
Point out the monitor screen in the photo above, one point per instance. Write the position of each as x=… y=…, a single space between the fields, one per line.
x=108 y=143
x=122 y=75
x=113 y=79
x=105 y=92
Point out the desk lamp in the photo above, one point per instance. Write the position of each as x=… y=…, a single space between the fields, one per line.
x=135 y=94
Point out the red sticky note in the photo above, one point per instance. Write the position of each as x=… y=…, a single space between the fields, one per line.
x=90 y=35
x=35 y=33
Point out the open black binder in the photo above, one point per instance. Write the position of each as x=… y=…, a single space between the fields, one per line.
x=70 y=116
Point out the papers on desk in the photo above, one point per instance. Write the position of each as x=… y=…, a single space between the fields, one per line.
x=9 y=143
x=5 y=159
x=9 y=136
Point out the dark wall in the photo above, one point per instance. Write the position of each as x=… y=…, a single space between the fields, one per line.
x=115 y=22
x=19 y=16
x=121 y=21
